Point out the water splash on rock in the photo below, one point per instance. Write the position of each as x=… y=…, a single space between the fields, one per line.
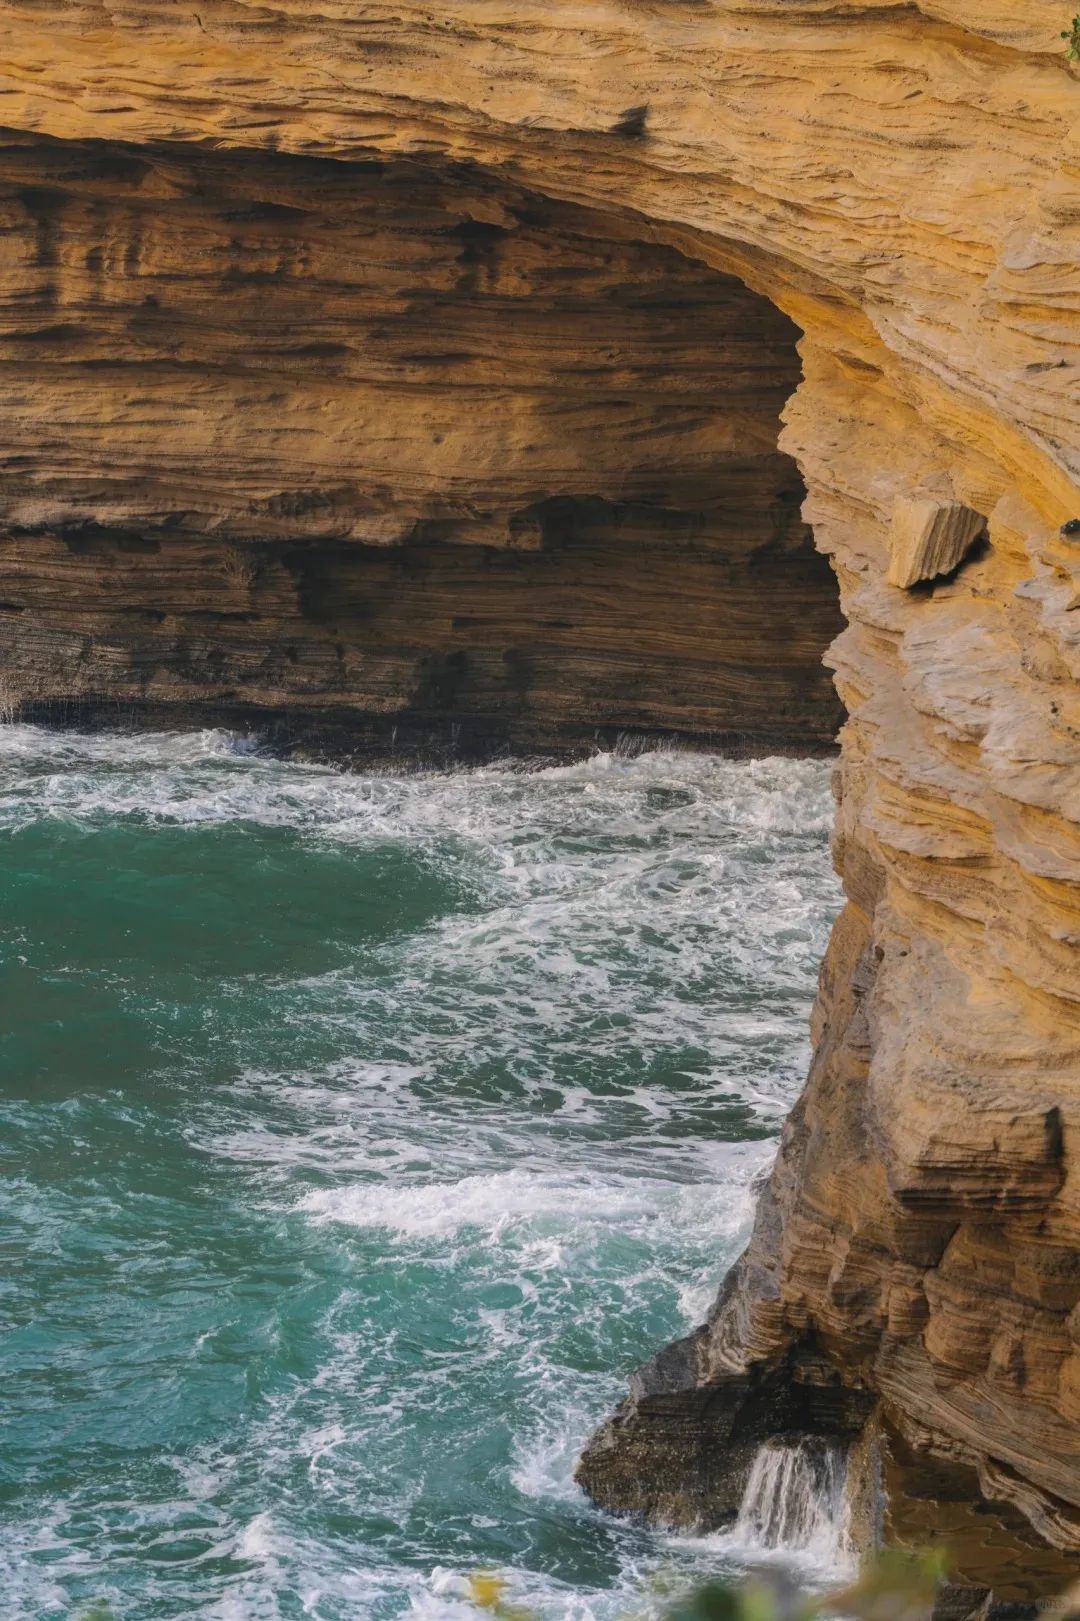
x=795 y=1504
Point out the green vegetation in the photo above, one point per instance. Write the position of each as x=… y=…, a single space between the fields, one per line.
x=893 y=1586
x=1072 y=34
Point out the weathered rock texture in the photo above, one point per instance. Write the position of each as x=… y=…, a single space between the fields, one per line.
x=903 y=182
x=368 y=447
x=929 y=539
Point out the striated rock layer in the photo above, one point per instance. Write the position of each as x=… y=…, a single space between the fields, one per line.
x=366 y=449
x=902 y=181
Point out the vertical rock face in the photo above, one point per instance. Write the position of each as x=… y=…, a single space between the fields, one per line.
x=368 y=449
x=902 y=182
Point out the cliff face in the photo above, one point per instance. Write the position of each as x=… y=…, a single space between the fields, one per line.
x=903 y=183
x=369 y=449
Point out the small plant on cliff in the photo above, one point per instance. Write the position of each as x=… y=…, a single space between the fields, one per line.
x=1072 y=50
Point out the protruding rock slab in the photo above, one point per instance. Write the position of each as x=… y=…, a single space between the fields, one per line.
x=680 y=1448
x=930 y=538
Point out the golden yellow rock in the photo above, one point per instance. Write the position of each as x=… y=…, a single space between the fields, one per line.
x=369 y=453
x=902 y=182
x=930 y=538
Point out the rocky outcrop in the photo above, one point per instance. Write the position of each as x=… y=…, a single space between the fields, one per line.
x=929 y=539
x=902 y=182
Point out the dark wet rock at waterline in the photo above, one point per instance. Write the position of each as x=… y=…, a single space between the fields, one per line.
x=679 y=1449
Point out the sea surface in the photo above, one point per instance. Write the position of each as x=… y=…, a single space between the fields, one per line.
x=360 y=1134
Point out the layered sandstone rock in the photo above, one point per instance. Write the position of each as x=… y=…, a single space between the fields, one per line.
x=903 y=182
x=368 y=450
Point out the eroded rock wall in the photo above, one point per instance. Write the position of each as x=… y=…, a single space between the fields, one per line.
x=903 y=181
x=369 y=449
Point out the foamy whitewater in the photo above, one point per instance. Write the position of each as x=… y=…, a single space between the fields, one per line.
x=795 y=1505
x=360 y=1134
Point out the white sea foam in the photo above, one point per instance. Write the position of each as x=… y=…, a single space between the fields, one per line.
x=213 y=776
x=256 y=1539
x=795 y=1503
x=497 y=1206
x=794 y=1513
x=485 y=1156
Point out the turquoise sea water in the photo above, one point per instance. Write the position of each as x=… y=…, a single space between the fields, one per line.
x=360 y=1134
